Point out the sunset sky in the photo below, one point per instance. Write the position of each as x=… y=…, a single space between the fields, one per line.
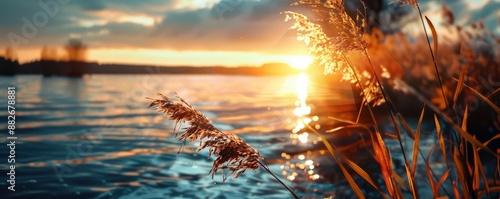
x=170 y=32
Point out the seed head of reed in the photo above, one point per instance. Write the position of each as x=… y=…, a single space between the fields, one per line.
x=331 y=36
x=231 y=152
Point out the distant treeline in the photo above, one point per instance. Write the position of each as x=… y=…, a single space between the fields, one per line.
x=78 y=69
x=8 y=66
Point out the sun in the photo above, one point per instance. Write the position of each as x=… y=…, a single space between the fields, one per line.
x=300 y=62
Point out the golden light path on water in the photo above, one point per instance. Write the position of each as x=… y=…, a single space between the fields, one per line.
x=299 y=136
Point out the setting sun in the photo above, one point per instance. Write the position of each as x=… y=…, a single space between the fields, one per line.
x=300 y=62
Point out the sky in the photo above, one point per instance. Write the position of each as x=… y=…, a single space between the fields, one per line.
x=170 y=32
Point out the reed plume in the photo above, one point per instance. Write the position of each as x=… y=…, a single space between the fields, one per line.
x=332 y=46
x=231 y=151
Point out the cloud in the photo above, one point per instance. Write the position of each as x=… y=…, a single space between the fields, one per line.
x=230 y=25
x=466 y=12
x=246 y=26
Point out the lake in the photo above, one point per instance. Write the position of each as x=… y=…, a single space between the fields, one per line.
x=94 y=137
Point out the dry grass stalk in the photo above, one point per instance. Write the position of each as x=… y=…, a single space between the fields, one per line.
x=231 y=151
x=466 y=174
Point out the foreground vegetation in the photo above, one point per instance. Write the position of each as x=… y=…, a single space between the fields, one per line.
x=455 y=78
x=445 y=76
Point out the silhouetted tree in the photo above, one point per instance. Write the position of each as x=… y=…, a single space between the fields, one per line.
x=10 y=54
x=76 y=50
x=48 y=54
x=9 y=63
x=77 y=54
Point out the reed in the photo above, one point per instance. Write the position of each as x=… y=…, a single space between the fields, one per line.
x=374 y=66
x=230 y=151
x=465 y=171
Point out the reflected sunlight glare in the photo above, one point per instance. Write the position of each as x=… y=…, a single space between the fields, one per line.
x=301 y=89
x=300 y=62
x=299 y=163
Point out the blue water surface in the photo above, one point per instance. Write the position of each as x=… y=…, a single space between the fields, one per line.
x=94 y=137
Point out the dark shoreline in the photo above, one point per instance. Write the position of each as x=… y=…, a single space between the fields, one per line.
x=79 y=69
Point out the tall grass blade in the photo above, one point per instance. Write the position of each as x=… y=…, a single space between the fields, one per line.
x=399 y=138
x=434 y=36
x=384 y=161
x=360 y=110
x=459 y=88
x=364 y=127
x=441 y=181
x=495 y=189
x=485 y=99
x=433 y=57
x=399 y=193
x=343 y=120
x=465 y=117
x=474 y=141
x=493 y=93
x=479 y=171
x=429 y=177
x=490 y=140
x=448 y=120
x=428 y=170
x=346 y=173
x=397 y=178
x=440 y=138
x=411 y=181
x=363 y=174
x=468 y=137
x=475 y=181
x=416 y=144
x=455 y=189
x=406 y=126
x=459 y=166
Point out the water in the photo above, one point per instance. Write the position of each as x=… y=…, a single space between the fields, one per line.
x=95 y=137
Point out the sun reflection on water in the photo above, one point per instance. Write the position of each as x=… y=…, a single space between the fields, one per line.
x=301 y=85
x=299 y=167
